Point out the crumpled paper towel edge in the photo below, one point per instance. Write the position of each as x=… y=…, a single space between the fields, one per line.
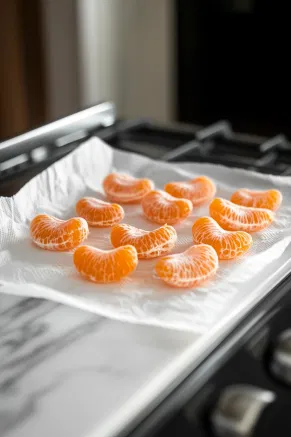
x=146 y=161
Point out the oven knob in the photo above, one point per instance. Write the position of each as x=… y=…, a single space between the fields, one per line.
x=238 y=410
x=281 y=359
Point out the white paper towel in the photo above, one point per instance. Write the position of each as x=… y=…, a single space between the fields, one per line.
x=141 y=298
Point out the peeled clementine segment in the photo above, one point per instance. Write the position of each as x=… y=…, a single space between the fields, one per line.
x=105 y=266
x=199 y=190
x=98 y=213
x=227 y=244
x=191 y=268
x=234 y=217
x=270 y=199
x=149 y=244
x=123 y=188
x=160 y=207
x=51 y=233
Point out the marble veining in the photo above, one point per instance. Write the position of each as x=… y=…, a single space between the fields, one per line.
x=65 y=372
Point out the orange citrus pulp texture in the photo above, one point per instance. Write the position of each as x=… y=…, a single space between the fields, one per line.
x=51 y=233
x=228 y=244
x=199 y=190
x=270 y=199
x=149 y=244
x=191 y=268
x=98 y=213
x=224 y=235
x=160 y=207
x=105 y=266
x=123 y=188
x=234 y=217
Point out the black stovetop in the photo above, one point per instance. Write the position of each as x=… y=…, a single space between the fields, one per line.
x=187 y=410
x=25 y=156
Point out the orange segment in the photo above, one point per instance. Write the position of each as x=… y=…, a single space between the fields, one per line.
x=234 y=217
x=51 y=233
x=149 y=244
x=270 y=199
x=160 y=207
x=227 y=244
x=199 y=190
x=105 y=266
x=98 y=213
x=188 y=269
x=123 y=188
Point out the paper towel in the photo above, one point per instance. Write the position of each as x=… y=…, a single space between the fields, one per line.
x=140 y=298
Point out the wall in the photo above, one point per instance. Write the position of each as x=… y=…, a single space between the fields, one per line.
x=148 y=87
x=100 y=50
x=118 y=50
x=61 y=55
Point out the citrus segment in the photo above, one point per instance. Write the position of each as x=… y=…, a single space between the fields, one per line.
x=232 y=217
x=51 y=233
x=98 y=213
x=190 y=268
x=149 y=244
x=227 y=244
x=199 y=190
x=270 y=199
x=123 y=188
x=160 y=207
x=105 y=266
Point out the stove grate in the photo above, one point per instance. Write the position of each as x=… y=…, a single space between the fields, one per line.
x=23 y=157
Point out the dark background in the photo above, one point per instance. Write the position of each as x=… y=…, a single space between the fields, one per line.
x=231 y=62
x=234 y=63
x=22 y=69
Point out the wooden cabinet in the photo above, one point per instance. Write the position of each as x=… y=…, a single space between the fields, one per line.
x=22 y=95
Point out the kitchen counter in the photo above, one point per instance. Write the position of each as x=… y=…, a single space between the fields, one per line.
x=66 y=372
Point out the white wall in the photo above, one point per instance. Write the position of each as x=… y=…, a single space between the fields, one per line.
x=100 y=48
x=118 y=50
x=148 y=87
x=60 y=43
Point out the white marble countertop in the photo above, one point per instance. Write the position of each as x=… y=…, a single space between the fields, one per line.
x=65 y=372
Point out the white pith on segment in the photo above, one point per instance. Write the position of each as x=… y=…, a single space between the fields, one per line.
x=125 y=188
x=228 y=244
x=199 y=190
x=269 y=199
x=160 y=207
x=149 y=244
x=236 y=217
x=51 y=233
x=99 y=213
x=188 y=269
x=105 y=266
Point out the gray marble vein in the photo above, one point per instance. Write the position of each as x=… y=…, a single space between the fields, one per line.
x=65 y=372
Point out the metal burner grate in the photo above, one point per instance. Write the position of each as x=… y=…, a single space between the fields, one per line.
x=23 y=157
